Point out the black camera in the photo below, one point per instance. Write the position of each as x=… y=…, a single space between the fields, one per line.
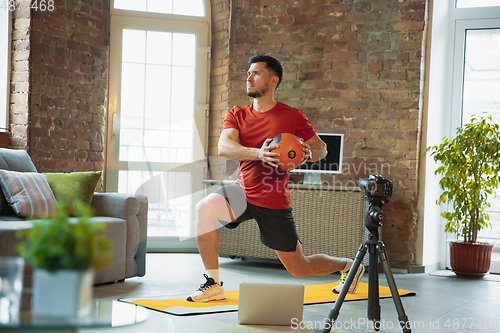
x=377 y=190
x=376 y=187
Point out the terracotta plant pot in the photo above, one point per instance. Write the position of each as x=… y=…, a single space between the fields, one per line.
x=470 y=259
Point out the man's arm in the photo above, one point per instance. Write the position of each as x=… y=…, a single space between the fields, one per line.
x=317 y=148
x=230 y=147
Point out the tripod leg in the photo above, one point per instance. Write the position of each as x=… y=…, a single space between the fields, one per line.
x=373 y=289
x=403 y=319
x=334 y=312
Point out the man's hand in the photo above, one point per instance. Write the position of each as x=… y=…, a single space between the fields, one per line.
x=315 y=148
x=265 y=154
x=306 y=149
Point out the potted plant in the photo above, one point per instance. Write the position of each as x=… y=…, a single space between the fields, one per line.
x=64 y=251
x=470 y=166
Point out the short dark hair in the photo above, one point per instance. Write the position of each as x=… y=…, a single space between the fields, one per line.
x=271 y=64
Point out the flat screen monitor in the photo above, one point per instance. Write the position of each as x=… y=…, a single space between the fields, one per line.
x=331 y=164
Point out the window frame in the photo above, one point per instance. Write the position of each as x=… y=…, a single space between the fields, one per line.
x=461 y=20
x=5 y=67
x=177 y=23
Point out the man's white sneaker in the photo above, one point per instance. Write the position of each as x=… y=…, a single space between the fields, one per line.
x=209 y=291
x=355 y=282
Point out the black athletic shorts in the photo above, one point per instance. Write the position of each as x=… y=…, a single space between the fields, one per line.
x=277 y=227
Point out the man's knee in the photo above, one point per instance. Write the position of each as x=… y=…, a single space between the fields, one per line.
x=296 y=268
x=213 y=207
x=298 y=271
x=208 y=205
x=202 y=206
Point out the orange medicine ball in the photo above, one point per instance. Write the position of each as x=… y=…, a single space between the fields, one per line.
x=290 y=150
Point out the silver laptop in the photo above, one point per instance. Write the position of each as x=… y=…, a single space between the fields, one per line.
x=270 y=304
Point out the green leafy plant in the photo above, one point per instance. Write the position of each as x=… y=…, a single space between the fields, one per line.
x=470 y=166
x=59 y=242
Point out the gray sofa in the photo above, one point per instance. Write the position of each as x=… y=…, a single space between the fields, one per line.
x=125 y=215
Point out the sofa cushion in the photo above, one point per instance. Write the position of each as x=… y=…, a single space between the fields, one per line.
x=16 y=160
x=13 y=160
x=28 y=193
x=68 y=188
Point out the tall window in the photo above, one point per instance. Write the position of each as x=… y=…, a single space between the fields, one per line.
x=481 y=73
x=476 y=81
x=158 y=103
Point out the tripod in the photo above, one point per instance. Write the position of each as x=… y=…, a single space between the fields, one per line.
x=375 y=248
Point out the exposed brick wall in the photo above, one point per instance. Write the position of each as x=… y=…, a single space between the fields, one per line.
x=353 y=67
x=69 y=71
x=219 y=85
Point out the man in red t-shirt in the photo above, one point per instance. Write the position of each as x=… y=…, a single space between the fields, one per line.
x=261 y=190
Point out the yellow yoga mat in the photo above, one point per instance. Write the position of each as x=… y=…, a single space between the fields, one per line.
x=313 y=294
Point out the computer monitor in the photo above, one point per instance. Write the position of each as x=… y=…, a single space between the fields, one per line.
x=331 y=164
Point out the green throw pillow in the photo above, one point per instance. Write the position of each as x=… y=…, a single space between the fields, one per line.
x=70 y=188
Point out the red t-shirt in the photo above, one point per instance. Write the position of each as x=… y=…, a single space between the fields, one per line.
x=264 y=185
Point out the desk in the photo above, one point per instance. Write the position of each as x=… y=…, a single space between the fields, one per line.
x=104 y=313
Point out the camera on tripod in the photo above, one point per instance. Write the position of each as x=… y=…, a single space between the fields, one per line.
x=376 y=187
x=377 y=190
